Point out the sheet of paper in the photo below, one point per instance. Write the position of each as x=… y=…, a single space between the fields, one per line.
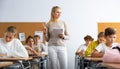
x=22 y=36
x=40 y=33
x=58 y=31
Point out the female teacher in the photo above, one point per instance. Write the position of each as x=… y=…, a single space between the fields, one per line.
x=56 y=34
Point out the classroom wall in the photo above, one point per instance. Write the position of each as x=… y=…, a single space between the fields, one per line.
x=81 y=16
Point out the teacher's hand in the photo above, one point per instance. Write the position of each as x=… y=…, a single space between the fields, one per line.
x=44 y=29
x=61 y=36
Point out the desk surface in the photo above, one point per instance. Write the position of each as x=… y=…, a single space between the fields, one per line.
x=43 y=55
x=90 y=58
x=93 y=58
x=4 y=64
x=13 y=59
x=112 y=65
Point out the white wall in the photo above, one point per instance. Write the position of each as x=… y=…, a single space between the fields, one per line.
x=81 y=16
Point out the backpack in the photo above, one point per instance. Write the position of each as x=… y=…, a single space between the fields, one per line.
x=113 y=55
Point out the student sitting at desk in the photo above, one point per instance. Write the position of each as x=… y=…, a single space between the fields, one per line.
x=11 y=46
x=43 y=48
x=83 y=47
x=33 y=50
x=40 y=44
x=94 y=44
x=110 y=36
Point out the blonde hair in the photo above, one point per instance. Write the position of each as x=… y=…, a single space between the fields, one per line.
x=54 y=8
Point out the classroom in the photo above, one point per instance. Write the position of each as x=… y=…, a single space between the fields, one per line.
x=82 y=17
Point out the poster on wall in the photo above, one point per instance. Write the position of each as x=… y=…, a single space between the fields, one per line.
x=22 y=36
x=40 y=33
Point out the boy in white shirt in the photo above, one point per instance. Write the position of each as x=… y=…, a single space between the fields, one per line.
x=11 y=46
x=40 y=45
x=44 y=50
x=110 y=36
x=82 y=48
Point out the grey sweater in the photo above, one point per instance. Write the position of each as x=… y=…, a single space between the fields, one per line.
x=52 y=33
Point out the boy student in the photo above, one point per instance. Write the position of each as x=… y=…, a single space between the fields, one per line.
x=110 y=36
x=94 y=44
x=40 y=45
x=88 y=39
x=11 y=46
x=33 y=50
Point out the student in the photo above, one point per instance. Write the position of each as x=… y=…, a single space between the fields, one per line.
x=110 y=36
x=56 y=34
x=33 y=50
x=94 y=44
x=43 y=49
x=11 y=46
x=83 y=47
x=40 y=45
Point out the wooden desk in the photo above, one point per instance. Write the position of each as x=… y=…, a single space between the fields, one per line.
x=4 y=64
x=93 y=58
x=43 y=55
x=14 y=59
x=82 y=59
x=42 y=61
x=112 y=65
x=19 y=60
x=93 y=61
